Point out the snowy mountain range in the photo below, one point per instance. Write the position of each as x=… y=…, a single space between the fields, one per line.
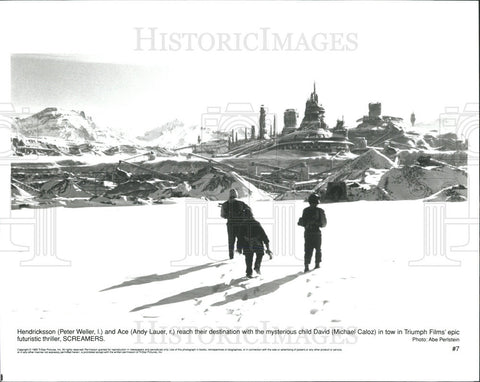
x=175 y=134
x=55 y=131
x=69 y=125
x=75 y=127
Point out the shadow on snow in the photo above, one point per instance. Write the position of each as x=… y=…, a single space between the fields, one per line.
x=258 y=291
x=167 y=276
x=192 y=294
x=248 y=293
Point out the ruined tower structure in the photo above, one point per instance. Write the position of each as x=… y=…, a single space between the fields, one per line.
x=274 y=125
x=314 y=113
x=261 y=123
x=374 y=111
x=289 y=121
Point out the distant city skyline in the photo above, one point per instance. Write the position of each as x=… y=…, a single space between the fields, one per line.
x=403 y=66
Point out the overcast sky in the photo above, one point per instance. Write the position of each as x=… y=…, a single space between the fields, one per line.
x=408 y=58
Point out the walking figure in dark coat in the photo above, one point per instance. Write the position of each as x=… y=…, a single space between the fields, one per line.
x=234 y=211
x=313 y=218
x=252 y=237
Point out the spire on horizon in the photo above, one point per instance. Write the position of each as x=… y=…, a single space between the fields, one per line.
x=313 y=95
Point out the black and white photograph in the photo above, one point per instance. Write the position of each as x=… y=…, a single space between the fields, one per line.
x=239 y=190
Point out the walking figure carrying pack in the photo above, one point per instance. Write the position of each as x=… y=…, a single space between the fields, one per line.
x=233 y=210
x=252 y=238
x=313 y=218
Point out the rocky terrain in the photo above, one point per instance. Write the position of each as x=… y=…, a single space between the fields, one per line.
x=88 y=165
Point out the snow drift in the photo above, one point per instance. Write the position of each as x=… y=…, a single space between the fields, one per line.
x=457 y=193
x=357 y=169
x=356 y=192
x=215 y=184
x=294 y=195
x=416 y=182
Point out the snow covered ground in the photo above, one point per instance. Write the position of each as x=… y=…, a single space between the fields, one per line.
x=142 y=266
